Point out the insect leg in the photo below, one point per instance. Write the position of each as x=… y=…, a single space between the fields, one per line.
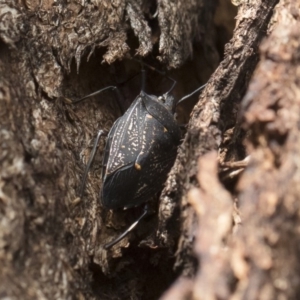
x=88 y=166
x=113 y=88
x=130 y=228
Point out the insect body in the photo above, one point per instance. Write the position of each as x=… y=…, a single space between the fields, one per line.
x=140 y=151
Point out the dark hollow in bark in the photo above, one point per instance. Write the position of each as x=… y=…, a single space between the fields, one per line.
x=51 y=241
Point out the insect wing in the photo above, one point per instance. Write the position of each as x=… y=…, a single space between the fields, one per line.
x=142 y=151
x=155 y=161
x=162 y=115
x=125 y=142
x=107 y=147
x=124 y=145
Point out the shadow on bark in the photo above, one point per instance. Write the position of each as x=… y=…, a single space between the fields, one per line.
x=193 y=246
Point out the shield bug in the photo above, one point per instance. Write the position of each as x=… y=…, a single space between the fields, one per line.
x=140 y=150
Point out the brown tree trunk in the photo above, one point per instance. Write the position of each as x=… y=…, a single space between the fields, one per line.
x=51 y=240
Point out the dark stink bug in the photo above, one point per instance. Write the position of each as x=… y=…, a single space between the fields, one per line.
x=140 y=150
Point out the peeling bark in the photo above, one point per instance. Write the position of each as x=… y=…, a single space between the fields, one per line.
x=260 y=260
x=51 y=241
x=270 y=207
x=211 y=119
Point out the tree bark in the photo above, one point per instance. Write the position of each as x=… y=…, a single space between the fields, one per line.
x=258 y=260
x=213 y=119
x=51 y=240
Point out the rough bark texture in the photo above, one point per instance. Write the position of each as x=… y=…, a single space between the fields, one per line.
x=212 y=119
x=51 y=241
x=261 y=259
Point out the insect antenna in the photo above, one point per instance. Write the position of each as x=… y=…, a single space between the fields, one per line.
x=157 y=71
x=143 y=78
x=191 y=94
